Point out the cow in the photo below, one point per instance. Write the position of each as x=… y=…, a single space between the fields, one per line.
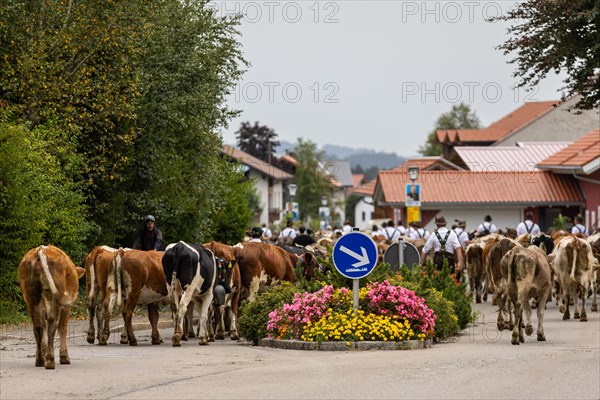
x=136 y=277
x=228 y=276
x=97 y=266
x=261 y=265
x=49 y=282
x=594 y=242
x=574 y=266
x=306 y=258
x=476 y=269
x=190 y=271
x=496 y=277
x=527 y=276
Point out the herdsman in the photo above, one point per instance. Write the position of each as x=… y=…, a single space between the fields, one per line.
x=445 y=246
x=578 y=226
x=528 y=226
x=463 y=236
x=486 y=227
x=417 y=232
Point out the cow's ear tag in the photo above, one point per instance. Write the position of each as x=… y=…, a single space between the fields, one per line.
x=229 y=266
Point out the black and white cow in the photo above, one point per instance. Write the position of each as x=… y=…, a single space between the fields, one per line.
x=190 y=270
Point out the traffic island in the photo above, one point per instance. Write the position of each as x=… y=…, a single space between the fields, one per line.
x=344 y=346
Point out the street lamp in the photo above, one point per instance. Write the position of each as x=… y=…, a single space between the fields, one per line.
x=413 y=173
x=292 y=187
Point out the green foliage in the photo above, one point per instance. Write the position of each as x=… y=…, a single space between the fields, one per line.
x=312 y=185
x=459 y=117
x=39 y=203
x=253 y=317
x=234 y=213
x=115 y=113
x=554 y=36
x=561 y=222
x=444 y=283
x=446 y=322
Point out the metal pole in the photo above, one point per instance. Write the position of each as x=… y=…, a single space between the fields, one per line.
x=400 y=252
x=355 y=284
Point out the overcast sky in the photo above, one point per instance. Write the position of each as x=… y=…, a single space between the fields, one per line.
x=372 y=74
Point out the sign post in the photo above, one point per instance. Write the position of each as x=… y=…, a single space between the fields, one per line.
x=355 y=256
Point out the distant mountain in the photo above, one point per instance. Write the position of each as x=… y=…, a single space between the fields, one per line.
x=366 y=158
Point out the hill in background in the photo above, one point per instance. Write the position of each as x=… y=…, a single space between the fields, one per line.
x=367 y=159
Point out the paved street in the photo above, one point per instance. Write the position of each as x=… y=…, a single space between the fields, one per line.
x=481 y=363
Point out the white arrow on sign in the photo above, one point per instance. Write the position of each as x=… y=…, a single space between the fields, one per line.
x=362 y=259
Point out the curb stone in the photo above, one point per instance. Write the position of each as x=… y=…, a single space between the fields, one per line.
x=344 y=346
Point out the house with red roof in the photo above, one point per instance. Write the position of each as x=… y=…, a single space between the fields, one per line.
x=270 y=182
x=540 y=157
x=581 y=161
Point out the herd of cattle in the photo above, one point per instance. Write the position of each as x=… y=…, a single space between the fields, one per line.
x=212 y=277
x=534 y=268
x=215 y=277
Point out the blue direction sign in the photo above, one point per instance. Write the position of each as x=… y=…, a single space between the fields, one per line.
x=355 y=255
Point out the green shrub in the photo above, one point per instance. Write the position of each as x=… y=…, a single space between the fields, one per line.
x=428 y=277
x=446 y=322
x=253 y=317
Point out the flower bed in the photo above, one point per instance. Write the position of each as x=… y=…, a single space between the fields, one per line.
x=387 y=313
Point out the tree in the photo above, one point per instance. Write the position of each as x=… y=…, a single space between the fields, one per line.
x=312 y=184
x=257 y=140
x=459 y=117
x=556 y=36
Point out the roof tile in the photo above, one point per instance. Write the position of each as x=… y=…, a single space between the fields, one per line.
x=579 y=153
x=517 y=119
x=472 y=187
x=255 y=163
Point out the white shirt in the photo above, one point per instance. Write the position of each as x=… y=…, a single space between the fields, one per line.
x=452 y=242
x=418 y=233
x=255 y=240
x=579 y=228
x=533 y=227
x=463 y=236
x=346 y=229
x=267 y=233
x=490 y=227
x=391 y=233
x=288 y=232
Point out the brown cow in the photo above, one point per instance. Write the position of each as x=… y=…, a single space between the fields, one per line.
x=496 y=277
x=476 y=269
x=574 y=266
x=137 y=277
x=527 y=276
x=594 y=242
x=50 y=282
x=98 y=265
x=262 y=264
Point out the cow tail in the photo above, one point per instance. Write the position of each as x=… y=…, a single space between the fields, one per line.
x=92 y=277
x=47 y=275
x=118 y=273
x=574 y=259
x=511 y=268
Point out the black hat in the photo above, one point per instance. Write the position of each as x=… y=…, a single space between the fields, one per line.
x=440 y=220
x=487 y=218
x=460 y=223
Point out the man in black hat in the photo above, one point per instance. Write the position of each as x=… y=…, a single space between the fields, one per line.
x=445 y=245
x=150 y=237
x=486 y=227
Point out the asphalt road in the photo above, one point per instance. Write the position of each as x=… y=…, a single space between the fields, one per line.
x=479 y=364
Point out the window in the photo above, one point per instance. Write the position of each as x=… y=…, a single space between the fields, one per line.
x=364 y=216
